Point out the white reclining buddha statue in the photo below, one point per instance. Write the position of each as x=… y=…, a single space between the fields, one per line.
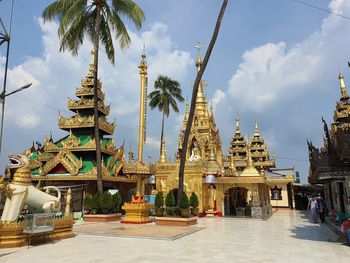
x=21 y=192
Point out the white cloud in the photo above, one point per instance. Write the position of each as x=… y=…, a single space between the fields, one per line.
x=27 y=120
x=273 y=72
x=218 y=96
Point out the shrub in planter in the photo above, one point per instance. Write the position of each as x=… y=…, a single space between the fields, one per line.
x=170 y=203
x=184 y=206
x=194 y=203
x=159 y=204
x=104 y=203
x=117 y=201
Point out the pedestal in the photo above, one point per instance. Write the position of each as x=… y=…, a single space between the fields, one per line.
x=137 y=211
x=211 y=213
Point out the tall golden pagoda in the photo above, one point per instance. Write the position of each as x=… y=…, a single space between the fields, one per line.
x=204 y=133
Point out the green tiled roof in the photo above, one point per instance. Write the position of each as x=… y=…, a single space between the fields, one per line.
x=87 y=166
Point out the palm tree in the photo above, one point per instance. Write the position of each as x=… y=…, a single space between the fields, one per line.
x=166 y=92
x=194 y=98
x=96 y=19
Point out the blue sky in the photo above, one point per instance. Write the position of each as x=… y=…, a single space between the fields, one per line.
x=275 y=61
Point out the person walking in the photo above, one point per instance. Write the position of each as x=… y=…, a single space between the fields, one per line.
x=321 y=208
x=313 y=209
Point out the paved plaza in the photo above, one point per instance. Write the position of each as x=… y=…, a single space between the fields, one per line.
x=287 y=236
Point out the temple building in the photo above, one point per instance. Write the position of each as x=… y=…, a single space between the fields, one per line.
x=330 y=165
x=70 y=162
x=241 y=183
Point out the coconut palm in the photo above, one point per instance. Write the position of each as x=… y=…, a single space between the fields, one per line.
x=194 y=98
x=98 y=20
x=167 y=92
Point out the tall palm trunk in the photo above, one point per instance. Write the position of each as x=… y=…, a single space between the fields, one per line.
x=194 y=98
x=161 y=135
x=96 y=116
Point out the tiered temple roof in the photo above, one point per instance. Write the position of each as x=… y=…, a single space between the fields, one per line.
x=238 y=152
x=75 y=154
x=334 y=157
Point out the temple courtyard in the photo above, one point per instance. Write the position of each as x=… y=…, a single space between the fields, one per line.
x=287 y=236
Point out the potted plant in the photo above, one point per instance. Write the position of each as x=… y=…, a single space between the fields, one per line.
x=184 y=206
x=159 y=204
x=170 y=203
x=194 y=203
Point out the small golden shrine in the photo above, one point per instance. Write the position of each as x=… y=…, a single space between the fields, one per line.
x=238 y=184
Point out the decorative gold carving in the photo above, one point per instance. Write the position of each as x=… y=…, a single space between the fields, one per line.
x=67 y=159
x=79 y=121
x=89 y=91
x=85 y=103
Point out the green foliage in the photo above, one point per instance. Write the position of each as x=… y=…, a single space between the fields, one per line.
x=117 y=201
x=184 y=202
x=194 y=200
x=159 y=200
x=104 y=203
x=170 y=200
x=77 y=19
x=166 y=92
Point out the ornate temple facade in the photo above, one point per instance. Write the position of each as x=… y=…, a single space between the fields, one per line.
x=330 y=164
x=241 y=183
x=70 y=162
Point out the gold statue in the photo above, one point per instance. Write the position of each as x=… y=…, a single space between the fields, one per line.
x=212 y=197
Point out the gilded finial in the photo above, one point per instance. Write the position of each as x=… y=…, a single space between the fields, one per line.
x=256 y=132
x=199 y=60
x=343 y=90
x=237 y=125
x=162 y=158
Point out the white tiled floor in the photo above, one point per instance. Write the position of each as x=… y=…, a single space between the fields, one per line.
x=286 y=237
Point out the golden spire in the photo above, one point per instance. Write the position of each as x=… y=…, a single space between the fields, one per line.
x=200 y=101
x=237 y=125
x=162 y=158
x=199 y=59
x=256 y=132
x=143 y=104
x=343 y=90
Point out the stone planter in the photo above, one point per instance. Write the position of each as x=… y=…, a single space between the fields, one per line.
x=159 y=211
x=102 y=217
x=176 y=221
x=185 y=212
x=194 y=211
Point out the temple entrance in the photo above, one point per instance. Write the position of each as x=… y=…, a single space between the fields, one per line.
x=236 y=202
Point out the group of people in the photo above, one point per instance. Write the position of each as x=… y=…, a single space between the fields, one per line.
x=318 y=209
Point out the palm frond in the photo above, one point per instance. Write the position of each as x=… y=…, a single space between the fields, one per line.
x=69 y=15
x=119 y=28
x=74 y=35
x=130 y=10
x=106 y=38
